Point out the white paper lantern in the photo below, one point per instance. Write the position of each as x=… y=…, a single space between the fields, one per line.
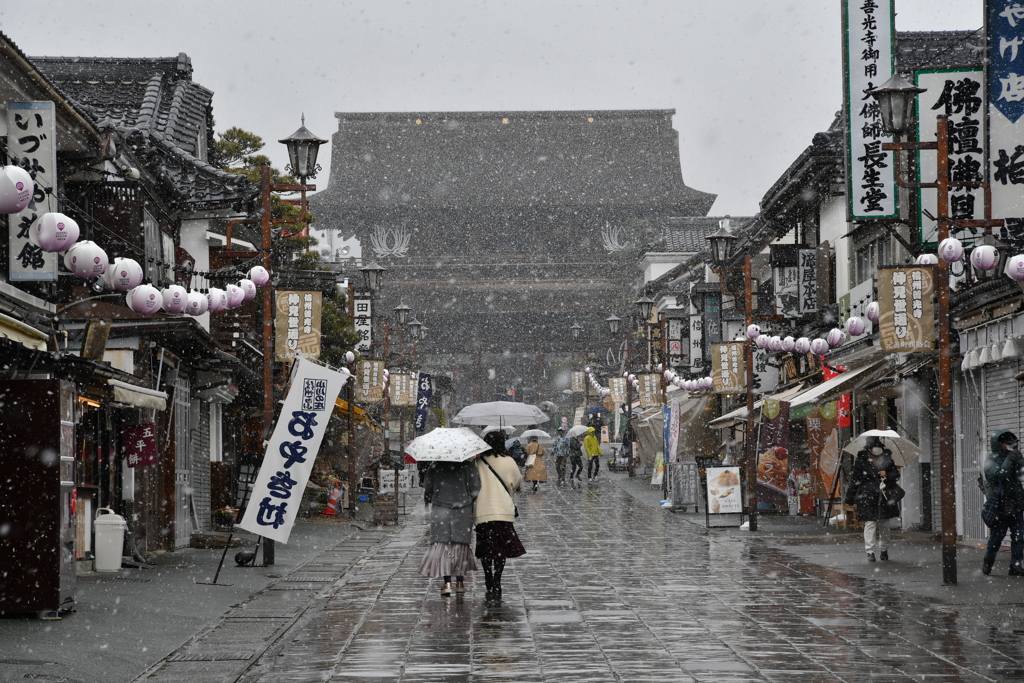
x=16 y=189
x=218 y=299
x=124 y=274
x=197 y=303
x=753 y=331
x=631 y=377
x=144 y=299
x=762 y=341
x=587 y=369
x=926 y=260
x=835 y=337
x=236 y=296
x=249 y=287
x=668 y=375
x=951 y=250
x=775 y=344
x=88 y=260
x=175 y=298
x=873 y=311
x=985 y=257
x=54 y=232
x=855 y=326
x=803 y=345
x=259 y=275
x=788 y=344
x=819 y=346
x=709 y=382
x=350 y=357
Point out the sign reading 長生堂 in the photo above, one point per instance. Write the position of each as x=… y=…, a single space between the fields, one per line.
x=292 y=450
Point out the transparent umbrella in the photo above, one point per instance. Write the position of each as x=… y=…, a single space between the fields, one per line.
x=500 y=413
x=577 y=430
x=903 y=450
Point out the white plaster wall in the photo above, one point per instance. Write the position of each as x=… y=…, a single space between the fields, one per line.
x=193 y=240
x=833 y=227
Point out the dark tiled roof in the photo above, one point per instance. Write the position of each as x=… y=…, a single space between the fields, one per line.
x=689 y=235
x=556 y=158
x=938 y=49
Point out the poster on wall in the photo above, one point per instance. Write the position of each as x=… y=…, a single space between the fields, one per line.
x=906 y=320
x=773 y=453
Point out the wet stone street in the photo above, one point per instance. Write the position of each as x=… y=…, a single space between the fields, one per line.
x=610 y=590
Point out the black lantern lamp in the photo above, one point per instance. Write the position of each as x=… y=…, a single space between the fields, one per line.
x=372 y=275
x=722 y=242
x=402 y=311
x=303 y=147
x=576 y=330
x=415 y=328
x=644 y=305
x=613 y=323
x=895 y=100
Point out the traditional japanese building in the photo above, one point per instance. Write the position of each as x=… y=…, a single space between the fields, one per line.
x=502 y=229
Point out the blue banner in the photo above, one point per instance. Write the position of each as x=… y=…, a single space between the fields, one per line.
x=425 y=389
x=1005 y=24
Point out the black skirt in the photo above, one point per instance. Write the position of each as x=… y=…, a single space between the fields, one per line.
x=497 y=540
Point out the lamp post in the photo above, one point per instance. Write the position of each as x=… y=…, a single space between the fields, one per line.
x=895 y=98
x=614 y=325
x=722 y=243
x=645 y=308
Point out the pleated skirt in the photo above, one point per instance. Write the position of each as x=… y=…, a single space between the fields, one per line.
x=447 y=559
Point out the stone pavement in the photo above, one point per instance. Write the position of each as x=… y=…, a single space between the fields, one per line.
x=613 y=589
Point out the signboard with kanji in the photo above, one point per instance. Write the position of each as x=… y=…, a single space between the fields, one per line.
x=32 y=144
x=140 y=445
x=401 y=389
x=369 y=381
x=617 y=385
x=297 y=325
x=579 y=382
x=361 y=320
x=650 y=390
x=907 y=316
x=728 y=369
x=424 y=392
x=1004 y=24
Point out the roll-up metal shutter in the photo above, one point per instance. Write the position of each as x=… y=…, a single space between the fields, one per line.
x=971 y=450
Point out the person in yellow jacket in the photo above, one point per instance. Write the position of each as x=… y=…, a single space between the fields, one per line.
x=592 y=446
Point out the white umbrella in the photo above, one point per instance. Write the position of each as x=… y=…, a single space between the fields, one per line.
x=539 y=433
x=577 y=430
x=500 y=413
x=902 y=449
x=444 y=444
x=508 y=429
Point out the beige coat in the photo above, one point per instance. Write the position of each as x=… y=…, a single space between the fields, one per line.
x=538 y=472
x=494 y=504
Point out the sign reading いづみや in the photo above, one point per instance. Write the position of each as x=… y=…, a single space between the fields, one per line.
x=1004 y=25
x=728 y=369
x=32 y=144
x=292 y=450
x=906 y=320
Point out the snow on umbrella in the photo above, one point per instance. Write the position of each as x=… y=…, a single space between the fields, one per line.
x=500 y=413
x=446 y=444
x=539 y=433
x=577 y=430
x=902 y=449
x=508 y=429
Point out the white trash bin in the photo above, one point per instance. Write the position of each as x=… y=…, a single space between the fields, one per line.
x=109 y=540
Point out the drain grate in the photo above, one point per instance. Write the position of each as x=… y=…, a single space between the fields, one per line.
x=211 y=657
x=309 y=579
x=122 y=579
x=28 y=662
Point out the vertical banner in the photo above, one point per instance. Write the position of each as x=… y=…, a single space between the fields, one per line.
x=297 y=325
x=292 y=450
x=696 y=343
x=617 y=385
x=712 y=321
x=960 y=95
x=844 y=404
x=728 y=369
x=32 y=144
x=807 y=274
x=579 y=382
x=363 y=323
x=869 y=32
x=140 y=445
x=773 y=453
x=823 y=448
x=424 y=391
x=369 y=381
x=400 y=387
x=907 y=315
x=672 y=431
x=650 y=390
x=1004 y=26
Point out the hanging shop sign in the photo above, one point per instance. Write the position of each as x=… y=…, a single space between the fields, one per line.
x=424 y=391
x=401 y=388
x=869 y=30
x=292 y=450
x=1004 y=24
x=297 y=325
x=807 y=275
x=363 y=323
x=650 y=390
x=773 y=452
x=728 y=369
x=696 y=343
x=823 y=448
x=369 y=380
x=32 y=144
x=617 y=385
x=579 y=382
x=960 y=95
x=140 y=445
x=907 y=315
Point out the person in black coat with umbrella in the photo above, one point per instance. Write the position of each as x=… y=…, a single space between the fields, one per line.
x=873 y=466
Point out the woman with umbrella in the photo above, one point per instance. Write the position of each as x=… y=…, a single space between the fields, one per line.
x=535 y=469
x=874 y=470
x=495 y=512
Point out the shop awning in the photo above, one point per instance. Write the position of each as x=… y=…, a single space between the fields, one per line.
x=26 y=335
x=835 y=387
x=740 y=414
x=140 y=397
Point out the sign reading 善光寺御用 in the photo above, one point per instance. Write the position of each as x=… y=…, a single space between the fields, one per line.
x=906 y=319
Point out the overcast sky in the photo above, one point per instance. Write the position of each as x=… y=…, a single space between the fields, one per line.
x=751 y=80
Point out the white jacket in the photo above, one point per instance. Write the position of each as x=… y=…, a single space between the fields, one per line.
x=494 y=504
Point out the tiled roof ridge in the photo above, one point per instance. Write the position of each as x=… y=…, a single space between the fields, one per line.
x=162 y=140
x=175 y=109
x=151 y=101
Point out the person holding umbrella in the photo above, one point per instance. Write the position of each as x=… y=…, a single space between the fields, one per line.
x=561 y=451
x=576 y=451
x=874 y=470
x=535 y=468
x=593 y=448
x=495 y=513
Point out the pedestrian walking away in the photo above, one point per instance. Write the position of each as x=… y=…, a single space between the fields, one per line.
x=1004 y=501
x=874 y=471
x=495 y=512
x=517 y=452
x=451 y=488
x=536 y=471
x=593 y=449
x=576 y=458
x=560 y=449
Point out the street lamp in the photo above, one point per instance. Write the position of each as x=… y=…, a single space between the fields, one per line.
x=613 y=324
x=576 y=329
x=722 y=242
x=415 y=329
x=402 y=311
x=303 y=147
x=644 y=305
x=895 y=100
x=372 y=275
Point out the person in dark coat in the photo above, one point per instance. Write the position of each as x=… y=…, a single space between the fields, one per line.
x=873 y=466
x=451 y=488
x=1002 y=467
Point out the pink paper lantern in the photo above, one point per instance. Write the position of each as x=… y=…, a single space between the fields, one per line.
x=835 y=337
x=819 y=346
x=88 y=260
x=788 y=344
x=350 y=357
x=985 y=257
x=236 y=296
x=218 y=300
x=54 y=232
x=951 y=250
x=708 y=382
x=762 y=341
x=175 y=298
x=249 y=287
x=802 y=346
x=927 y=260
x=1015 y=267
x=775 y=344
x=753 y=331
x=632 y=378
x=16 y=189
x=123 y=274
x=259 y=275
x=873 y=311
x=144 y=299
x=855 y=326
x=197 y=303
